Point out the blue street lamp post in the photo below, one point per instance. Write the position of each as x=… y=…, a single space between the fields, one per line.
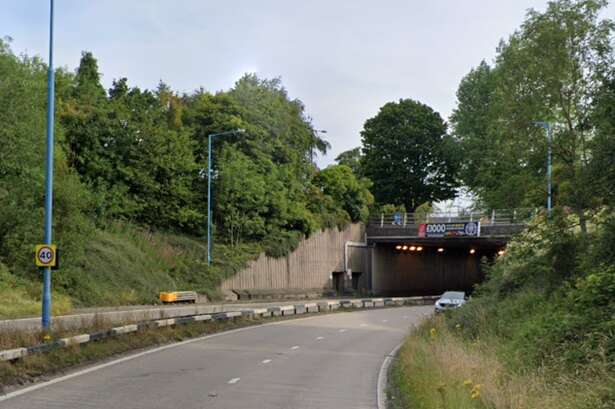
x=46 y=313
x=549 y=128
x=209 y=182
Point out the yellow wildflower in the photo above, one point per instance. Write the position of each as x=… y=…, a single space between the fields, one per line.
x=433 y=332
x=467 y=383
x=475 y=393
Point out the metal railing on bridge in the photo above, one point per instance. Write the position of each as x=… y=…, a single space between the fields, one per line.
x=489 y=218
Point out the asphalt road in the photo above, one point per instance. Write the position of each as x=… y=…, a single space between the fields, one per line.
x=329 y=361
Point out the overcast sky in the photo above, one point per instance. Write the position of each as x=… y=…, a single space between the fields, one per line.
x=343 y=58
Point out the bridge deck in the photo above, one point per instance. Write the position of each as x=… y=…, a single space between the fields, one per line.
x=388 y=234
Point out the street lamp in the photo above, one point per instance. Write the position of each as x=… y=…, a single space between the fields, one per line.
x=46 y=307
x=549 y=127
x=210 y=139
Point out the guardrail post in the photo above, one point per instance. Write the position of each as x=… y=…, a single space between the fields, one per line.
x=493 y=216
x=381 y=219
x=405 y=218
x=514 y=215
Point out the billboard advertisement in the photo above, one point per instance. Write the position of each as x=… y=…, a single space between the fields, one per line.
x=463 y=229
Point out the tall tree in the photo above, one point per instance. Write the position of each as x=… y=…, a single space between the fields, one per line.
x=352 y=159
x=23 y=117
x=602 y=165
x=408 y=155
x=573 y=48
x=88 y=87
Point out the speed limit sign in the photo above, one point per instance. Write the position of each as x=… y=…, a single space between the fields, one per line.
x=46 y=255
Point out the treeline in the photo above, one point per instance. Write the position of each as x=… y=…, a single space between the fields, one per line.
x=540 y=331
x=140 y=157
x=559 y=68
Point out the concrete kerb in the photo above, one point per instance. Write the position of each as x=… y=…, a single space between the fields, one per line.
x=287 y=310
x=312 y=307
x=196 y=316
x=368 y=303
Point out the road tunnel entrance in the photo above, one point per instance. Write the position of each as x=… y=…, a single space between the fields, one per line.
x=429 y=267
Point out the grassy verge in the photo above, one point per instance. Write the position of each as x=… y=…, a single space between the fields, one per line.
x=125 y=264
x=33 y=367
x=437 y=368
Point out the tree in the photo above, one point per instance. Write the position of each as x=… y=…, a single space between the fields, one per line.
x=602 y=165
x=242 y=197
x=23 y=97
x=87 y=80
x=549 y=70
x=347 y=192
x=132 y=149
x=352 y=159
x=408 y=155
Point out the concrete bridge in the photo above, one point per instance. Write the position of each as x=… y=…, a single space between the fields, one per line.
x=383 y=257
x=432 y=253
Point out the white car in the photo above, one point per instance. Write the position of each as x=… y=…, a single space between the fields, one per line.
x=450 y=300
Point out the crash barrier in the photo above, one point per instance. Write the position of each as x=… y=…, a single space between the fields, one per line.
x=275 y=311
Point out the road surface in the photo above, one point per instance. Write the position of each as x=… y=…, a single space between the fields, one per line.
x=329 y=361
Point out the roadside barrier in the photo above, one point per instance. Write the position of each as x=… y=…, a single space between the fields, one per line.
x=275 y=311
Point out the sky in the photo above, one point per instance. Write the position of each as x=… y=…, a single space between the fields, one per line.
x=343 y=58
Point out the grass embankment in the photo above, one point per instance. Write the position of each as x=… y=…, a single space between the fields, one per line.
x=124 y=264
x=437 y=368
x=540 y=333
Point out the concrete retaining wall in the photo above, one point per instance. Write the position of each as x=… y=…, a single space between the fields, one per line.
x=308 y=267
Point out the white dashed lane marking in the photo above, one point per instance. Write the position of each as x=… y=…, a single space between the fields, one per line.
x=295 y=347
x=266 y=361
x=364 y=325
x=233 y=381
x=342 y=330
x=319 y=338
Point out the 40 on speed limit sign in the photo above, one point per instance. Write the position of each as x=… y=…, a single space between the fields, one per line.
x=46 y=255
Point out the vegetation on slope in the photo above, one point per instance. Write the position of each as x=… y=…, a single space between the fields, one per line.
x=131 y=183
x=540 y=333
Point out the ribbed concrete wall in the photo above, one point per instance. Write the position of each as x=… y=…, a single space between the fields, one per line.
x=307 y=267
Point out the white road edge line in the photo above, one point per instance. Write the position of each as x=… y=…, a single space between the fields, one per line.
x=44 y=384
x=233 y=381
x=383 y=377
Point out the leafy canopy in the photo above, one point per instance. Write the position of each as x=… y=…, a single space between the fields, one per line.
x=408 y=155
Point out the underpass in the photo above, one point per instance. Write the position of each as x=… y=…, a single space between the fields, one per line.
x=428 y=254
